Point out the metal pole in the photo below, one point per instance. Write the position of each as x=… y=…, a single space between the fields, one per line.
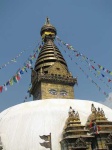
x=50 y=142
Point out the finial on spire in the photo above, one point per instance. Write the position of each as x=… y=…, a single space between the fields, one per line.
x=48 y=30
x=47 y=20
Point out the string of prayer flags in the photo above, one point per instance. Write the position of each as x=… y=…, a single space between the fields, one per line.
x=89 y=67
x=13 y=60
x=85 y=58
x=101 y=79
x=92 y=81
x=99 y=88
x=15 y=78
x=28 y=93
x=93 y=67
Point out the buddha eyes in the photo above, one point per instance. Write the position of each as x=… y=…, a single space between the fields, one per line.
x=54 y=92
x=63 y=92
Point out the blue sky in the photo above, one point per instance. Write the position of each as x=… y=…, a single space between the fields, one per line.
x=85 y=24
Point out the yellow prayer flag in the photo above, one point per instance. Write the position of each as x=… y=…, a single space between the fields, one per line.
x=11 y=81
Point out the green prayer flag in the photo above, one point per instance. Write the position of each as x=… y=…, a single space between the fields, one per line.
x=14 y=79
x=101 y=67
x=98 y=72
x=111 y=73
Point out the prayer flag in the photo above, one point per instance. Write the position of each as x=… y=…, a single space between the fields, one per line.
x=7 y=83
x=77 y=55
x=31 y=61
x=15 y=79
x=35 y=55
x=11 y=81
x=111 y=73
x=47 y=141
x=92 y=67
x=46 y=144
x=99 y=66
x=5 y=87
x=21 y=72
x=98 y=72
x=18 y=77
x=109 y=80
x=1 y=88
x=102 y=75
x=45 y=137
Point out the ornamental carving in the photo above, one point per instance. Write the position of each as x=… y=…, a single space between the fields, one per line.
x=109 y=139
x=59 y=69
x=73 y=114
x=80 y=142
x=98 y=113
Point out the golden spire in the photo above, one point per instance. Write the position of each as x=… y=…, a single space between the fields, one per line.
x=48 y=31
x=49 y=52
x=52 y=79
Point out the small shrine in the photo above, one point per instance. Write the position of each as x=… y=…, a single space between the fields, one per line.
x=75 y=136
x=99 y=127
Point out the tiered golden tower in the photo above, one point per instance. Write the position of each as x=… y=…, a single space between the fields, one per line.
x=95 y=135
x=50 y=77
x=75 y=135
x=100 y=128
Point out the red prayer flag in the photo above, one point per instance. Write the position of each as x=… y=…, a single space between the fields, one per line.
x=18 y=77
x=40 y=47
x=1 y=88
x=35 y=55
x=109 y=80
x=77 y=55
x=92 y=67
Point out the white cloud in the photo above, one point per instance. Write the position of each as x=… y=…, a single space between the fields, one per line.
x=108 y=101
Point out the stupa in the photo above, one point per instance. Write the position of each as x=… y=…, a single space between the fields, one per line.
x=55 y=119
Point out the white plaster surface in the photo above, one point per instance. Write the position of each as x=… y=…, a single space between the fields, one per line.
x=21 y=125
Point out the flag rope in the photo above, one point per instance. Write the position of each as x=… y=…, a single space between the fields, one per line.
x=14 y=60
x=88 y=77
x=101 y=79
x=70 y=47
x=27 y=65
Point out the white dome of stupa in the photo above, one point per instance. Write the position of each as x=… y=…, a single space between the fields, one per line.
x=21 y=125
